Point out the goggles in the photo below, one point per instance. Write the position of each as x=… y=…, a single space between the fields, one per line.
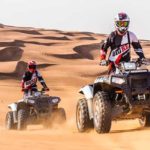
x=32 y=67
x=122 y=23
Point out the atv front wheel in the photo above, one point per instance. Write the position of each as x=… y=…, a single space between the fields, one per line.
x=102 y=112
x=9 y=121
x=22 y=119
x=83 y=121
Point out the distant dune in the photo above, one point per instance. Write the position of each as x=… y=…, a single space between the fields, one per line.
x=47 y=47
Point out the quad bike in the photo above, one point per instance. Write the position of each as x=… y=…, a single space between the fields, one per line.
x=122 y=95
x=35 y=108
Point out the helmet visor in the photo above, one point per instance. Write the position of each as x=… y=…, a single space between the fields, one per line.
x=122 y=23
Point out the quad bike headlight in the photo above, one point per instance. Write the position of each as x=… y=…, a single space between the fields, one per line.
x=127 y=66
x=118 y=80
x=55 y=100
x=31 y=101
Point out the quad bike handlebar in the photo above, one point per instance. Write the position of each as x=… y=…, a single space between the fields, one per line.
x=139 y=62
x=44 y=89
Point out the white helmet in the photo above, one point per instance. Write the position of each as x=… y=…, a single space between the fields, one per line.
x=122 y=21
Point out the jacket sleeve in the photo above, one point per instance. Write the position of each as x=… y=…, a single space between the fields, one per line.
x=23 y=81
x=137 y=46
x=41 y=80
x=105 y=47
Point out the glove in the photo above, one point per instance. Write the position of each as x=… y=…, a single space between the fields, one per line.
x=46 y=89
x=145 y=61
x=103 y=62
x=142 y=61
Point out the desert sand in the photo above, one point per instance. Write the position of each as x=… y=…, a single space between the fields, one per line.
x=67 y=61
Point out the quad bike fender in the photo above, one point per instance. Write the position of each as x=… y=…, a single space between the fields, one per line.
x=17 y=105
x=13 y=106
x=87 y=91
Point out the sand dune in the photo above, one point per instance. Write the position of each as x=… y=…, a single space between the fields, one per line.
x=17 y=73
x=67 y=60
x=11 y=54
x=53 y=38
x=19 y=70
x=86 y=50
x=86 y=38
x=12 y=43
x=28 y=32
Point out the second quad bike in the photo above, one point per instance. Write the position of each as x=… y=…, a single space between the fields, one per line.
x=119 y=96
x=34 y=109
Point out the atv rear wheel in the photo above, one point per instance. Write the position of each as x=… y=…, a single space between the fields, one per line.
x=22 y=119
x=9 y=121
x=145 y=120
x=82 y=116
x=102 y=112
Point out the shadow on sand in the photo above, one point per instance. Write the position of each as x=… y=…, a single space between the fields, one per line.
x=19 y=71
x=130 y=130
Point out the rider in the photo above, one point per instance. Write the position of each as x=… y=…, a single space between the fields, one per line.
x=120 y=42
x=30 y=78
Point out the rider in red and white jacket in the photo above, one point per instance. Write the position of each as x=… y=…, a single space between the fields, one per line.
x=120 y=42
x=30 y=78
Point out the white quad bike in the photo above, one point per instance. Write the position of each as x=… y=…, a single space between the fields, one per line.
x=123 y=95
x=34 y=108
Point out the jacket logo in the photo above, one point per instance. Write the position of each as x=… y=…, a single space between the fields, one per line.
x=120 y=50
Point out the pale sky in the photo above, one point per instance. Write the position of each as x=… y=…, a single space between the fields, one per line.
x=76 y=15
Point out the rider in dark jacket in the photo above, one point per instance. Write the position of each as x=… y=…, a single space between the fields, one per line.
x=119 y=42
x=30 y=78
